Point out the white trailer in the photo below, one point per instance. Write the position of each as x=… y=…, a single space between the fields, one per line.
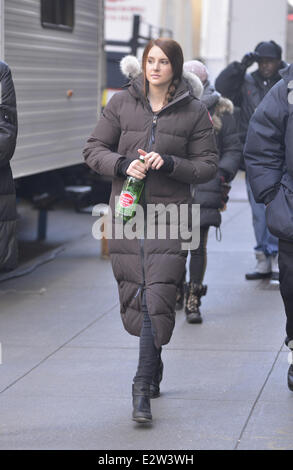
x=55 y=51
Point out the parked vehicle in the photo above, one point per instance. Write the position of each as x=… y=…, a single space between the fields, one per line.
x=55 y=52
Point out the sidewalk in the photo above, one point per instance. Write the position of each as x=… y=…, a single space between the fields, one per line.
x=68 y=364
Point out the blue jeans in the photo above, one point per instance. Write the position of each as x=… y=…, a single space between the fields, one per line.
x=266 y=242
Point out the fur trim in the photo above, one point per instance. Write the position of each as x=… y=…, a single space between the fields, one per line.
x=224 y=105
x=131 y=68
x=195 y=83
x=217 y=122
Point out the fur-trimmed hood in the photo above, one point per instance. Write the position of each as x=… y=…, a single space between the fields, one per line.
x=224 y=105
x=216 y=104
x=131 y=68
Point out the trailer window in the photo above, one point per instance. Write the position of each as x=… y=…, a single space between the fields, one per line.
x=57 y=14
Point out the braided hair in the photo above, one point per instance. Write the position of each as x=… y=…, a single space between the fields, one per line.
x=171 y=90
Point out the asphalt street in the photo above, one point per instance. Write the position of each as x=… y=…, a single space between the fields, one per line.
x=67 y=363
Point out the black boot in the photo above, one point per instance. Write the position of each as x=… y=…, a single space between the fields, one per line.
x=193 y=294
x=155 y=385
x=141 y=403
x=290 y=378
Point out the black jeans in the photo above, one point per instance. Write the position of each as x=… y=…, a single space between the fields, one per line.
x=286 y=284
x=198 y=258
x=149 y=355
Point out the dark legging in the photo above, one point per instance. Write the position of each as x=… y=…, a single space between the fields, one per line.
x=198 y=258
x=148 y=353
x=286 y=282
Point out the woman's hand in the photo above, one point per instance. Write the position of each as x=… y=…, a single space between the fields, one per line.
x=137 y=169
x=152 y=160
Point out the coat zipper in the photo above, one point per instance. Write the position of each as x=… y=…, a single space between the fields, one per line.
x=152 y=136
x=142 y=286
x=141 y=241
x=155 y=119
x=151 y=139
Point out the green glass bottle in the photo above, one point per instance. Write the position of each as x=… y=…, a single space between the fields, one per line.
x=129 y=197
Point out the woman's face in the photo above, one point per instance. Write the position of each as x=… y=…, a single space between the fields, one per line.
x=159 y=71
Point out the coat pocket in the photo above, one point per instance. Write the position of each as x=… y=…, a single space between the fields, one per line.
x=279 y=214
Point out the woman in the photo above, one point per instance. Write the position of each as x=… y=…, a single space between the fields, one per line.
x=211 y=196
x=158 y=117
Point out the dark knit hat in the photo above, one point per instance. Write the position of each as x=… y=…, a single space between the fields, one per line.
x=269 y=49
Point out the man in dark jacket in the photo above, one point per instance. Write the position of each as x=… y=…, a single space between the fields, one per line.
x=269 y=163
x=8 y=134
x=247 y=90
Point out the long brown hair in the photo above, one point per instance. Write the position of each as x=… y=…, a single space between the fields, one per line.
x=174 y=53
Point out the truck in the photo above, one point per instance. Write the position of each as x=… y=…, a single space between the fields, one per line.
x=55 y=52
x=58 y=59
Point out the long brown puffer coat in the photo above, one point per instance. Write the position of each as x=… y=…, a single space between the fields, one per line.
x=183 y=131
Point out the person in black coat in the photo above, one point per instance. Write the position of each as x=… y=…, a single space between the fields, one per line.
x=211 y=196
x=8 y=134
x=269 y=163
x=247 y=90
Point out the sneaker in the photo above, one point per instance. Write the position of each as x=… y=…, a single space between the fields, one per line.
x=275 y=270
x=263 y=268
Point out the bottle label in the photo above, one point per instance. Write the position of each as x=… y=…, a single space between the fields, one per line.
x=126 y=199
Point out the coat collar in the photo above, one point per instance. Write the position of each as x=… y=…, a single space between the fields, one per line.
x=190 y=84
x=287 y=73
x=135 y=88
